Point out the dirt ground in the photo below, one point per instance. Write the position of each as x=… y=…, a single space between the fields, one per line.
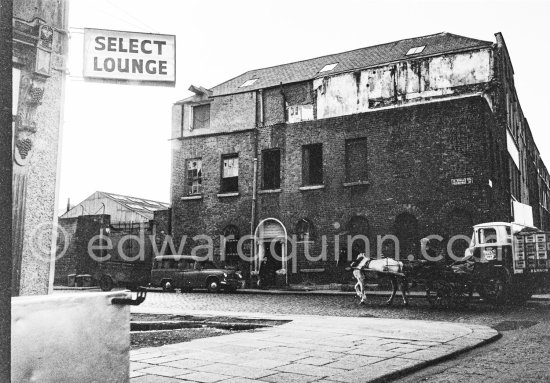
x=200 y=327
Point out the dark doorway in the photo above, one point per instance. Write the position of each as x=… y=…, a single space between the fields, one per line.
x=273 y=261
x=357 y=226
x=406 y=231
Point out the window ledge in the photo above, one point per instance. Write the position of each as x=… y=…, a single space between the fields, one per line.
x=312 y=187
x=269 y=191
x=232 y=194
x=191 y=197
x=355 y=183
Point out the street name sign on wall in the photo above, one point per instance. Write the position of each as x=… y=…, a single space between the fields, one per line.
x=462 y=181
x=129 y=56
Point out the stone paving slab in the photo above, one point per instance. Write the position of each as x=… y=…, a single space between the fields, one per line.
x=310 y=349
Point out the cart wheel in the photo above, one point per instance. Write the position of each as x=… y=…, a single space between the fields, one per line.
x=433 y=298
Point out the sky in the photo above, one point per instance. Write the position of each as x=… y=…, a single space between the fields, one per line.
x=116 y=137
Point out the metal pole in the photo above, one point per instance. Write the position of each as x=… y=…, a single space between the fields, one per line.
x=253 y=218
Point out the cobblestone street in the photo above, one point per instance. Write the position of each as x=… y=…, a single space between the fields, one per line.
x=517 y=356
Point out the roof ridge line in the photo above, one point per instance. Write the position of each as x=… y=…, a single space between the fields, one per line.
x=344 y=52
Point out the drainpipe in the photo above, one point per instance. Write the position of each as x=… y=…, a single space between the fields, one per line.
x=254 y=185
x=253 y=217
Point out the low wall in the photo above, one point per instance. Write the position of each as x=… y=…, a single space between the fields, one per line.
x=70 y=338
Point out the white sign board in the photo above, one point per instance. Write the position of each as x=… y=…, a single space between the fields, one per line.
x=512 y=148
x=129 y=56
x=523 y=214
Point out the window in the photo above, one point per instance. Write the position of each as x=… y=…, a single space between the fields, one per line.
x=206 y=265
x=297 y=113
x=271 y=166
x=201 y=116
x=248 y=82
x=230 y=173
x=312 y=164
x=356 y=160
x=487 y=236
x=416 y=50
x=231 y=238
x=328 y=67
x=194 y=176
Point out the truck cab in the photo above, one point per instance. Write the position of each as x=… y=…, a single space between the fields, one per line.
x=512 y=255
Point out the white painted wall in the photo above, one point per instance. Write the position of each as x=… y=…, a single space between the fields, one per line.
x=408 y=81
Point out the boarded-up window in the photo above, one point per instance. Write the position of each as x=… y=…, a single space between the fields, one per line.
x=230 y=173
x=201 y=116
x=194 y=176
x=356 y=160
x=297 y=113
x=312 y=164
x=231 y=238
x=271 y=166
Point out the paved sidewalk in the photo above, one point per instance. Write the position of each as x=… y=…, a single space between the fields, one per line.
x=309 y=349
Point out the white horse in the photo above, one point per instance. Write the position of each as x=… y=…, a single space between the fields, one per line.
x=383 y=267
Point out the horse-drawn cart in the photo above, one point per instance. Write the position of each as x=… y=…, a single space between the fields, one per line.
x=504 y=263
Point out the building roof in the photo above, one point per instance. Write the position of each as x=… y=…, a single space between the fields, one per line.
x=140 y=206
x=376 y=55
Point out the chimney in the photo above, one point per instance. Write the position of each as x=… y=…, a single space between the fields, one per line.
x=68 y=204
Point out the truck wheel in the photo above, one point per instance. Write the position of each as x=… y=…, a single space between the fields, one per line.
x=520 y=297
x=213 y=285
x=106 y=283
x=495 y=287
x=167 y=286
x=521 y=292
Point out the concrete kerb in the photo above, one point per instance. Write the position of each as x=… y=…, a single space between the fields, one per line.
x=461 y=338
x=307 y=291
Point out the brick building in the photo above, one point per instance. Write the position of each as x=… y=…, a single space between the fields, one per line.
x=411 y=138
x=114 y=216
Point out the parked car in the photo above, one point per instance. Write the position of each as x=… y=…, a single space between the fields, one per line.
x=188 y=272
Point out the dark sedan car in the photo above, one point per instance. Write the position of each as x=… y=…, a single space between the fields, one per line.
x=188 y=272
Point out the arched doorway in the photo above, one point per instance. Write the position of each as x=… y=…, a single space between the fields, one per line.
x=270 y=250
x=406 y=231
x=358 y=226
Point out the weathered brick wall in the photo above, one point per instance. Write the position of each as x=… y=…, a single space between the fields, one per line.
x=211 y=214
x=75 y=235
x=233 y=112
x=413 y=153
x=136 y=245
x=65 y=262
x=275 y=99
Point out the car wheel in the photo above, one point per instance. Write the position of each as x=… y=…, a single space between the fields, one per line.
x=106 y=283
x=213 y=285
x=167 y=286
